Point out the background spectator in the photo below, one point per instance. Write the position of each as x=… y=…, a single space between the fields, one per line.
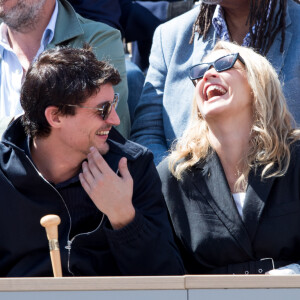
x=27 y=29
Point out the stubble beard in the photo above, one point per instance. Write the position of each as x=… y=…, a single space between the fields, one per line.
x=104 y=149
x=23 y=17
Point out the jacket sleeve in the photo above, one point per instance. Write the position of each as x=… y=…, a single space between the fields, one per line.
x=148 y=128
x=146 y=245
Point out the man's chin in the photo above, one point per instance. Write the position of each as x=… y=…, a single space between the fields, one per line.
x=103 y=149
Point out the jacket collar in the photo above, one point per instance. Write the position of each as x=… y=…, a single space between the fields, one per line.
x=210 y=180
x=14 y=135
x=69 y=21
x=256 y=198
x=120 y=147
x=276 y=60
x=203 y=47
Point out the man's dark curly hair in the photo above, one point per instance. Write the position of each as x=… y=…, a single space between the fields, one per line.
x=58 y=77
x=269 y=22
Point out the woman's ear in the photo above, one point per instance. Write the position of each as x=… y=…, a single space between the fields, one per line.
x=53 y=116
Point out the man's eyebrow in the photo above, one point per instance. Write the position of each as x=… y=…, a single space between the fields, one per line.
x=102 y=103
x=106 y=101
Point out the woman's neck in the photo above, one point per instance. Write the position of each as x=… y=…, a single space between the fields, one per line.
x=231 y=142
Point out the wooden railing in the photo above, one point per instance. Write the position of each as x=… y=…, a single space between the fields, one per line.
x=242 y=287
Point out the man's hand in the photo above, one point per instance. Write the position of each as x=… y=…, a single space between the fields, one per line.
x=110 y=193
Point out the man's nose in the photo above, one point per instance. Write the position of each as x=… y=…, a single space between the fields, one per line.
x=113 y=118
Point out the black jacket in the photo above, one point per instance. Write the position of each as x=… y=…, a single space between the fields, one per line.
x=210 y=233
x=143 y=247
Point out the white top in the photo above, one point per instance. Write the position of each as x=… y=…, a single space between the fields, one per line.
x=11 y=71
x=239 y=199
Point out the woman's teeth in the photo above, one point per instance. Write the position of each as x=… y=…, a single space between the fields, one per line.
x=214 y=90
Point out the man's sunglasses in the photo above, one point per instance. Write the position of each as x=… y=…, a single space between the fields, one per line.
x=104 y=110
x=221 y=64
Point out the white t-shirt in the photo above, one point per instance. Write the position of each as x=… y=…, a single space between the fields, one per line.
x=239 y=199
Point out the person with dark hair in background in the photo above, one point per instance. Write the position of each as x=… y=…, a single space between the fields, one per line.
x=64 y=157
x=272 y=27
x=137 y=21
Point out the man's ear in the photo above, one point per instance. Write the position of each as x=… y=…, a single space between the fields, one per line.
x=53 y=116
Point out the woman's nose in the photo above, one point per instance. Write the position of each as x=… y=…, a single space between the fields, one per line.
x=211 y=72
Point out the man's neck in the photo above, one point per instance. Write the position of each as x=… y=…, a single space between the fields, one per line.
x=26 y=43
x=229 y=136
x=236 y=20
x=54 y=164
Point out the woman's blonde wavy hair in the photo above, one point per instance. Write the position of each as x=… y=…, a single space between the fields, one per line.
x=272 y=132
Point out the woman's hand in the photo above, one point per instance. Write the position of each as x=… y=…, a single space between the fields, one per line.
x=291 y=269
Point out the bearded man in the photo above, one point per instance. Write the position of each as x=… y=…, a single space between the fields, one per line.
x=29 y=27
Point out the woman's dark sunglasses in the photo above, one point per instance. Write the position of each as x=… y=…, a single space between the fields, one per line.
x=104 y=110
x=221 y=64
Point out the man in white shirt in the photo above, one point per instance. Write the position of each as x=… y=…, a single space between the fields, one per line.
x=31 y=26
